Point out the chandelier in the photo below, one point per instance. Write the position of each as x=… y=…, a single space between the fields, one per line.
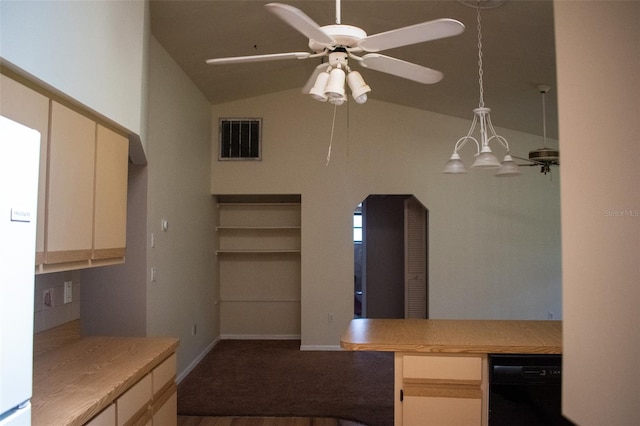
x=484 y=157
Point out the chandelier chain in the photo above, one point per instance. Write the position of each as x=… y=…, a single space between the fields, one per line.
x=480 y=71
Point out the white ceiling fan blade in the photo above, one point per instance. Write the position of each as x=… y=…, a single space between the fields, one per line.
x=418 y=33
x=314 y=76
x=301 y=22
x=259 y=58
x=401 y=68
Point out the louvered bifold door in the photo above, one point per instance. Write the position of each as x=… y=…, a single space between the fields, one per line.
x=415 y=259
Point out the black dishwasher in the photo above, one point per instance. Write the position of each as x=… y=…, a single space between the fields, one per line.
x=525 y=390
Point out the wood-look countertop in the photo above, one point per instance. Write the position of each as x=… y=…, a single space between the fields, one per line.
x=454 y=336
x=75 y=381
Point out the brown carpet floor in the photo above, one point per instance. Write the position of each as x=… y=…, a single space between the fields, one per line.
x=275 y=378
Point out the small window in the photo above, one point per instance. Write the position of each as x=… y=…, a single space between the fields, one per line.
x=240 y=139
x=357 y=224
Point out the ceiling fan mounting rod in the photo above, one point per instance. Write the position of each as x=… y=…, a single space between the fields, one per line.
x=338 y=17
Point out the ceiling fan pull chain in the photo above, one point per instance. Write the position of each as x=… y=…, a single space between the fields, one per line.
x=480 y=71
x=333 y=125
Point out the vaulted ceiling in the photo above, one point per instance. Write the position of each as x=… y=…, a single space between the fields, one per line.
x=517 y=39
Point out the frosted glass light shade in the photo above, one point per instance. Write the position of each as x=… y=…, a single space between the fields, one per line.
x=358 y=87
x=486 y=159
x=508 y=167
x=318 y=89
x=335 y=86
x=338 y=100
x=454 y=165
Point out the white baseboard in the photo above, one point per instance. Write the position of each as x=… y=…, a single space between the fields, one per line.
x=260 y=337
x=196 y=361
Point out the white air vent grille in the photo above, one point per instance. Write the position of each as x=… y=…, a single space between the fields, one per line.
x=240 y=139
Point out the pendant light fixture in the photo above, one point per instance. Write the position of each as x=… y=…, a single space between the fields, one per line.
x=485 y=158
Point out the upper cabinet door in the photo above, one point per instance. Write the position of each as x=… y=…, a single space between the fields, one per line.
x=110 y=213
x=69 y=226
x=30 y=108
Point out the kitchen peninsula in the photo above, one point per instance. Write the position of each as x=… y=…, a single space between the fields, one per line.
x=441 y=366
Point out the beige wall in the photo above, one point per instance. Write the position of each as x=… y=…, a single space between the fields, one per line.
x=598 y=48
x=79 y=48
x=178 y=150
x=494 y=242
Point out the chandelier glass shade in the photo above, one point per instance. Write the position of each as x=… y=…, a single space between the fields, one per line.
x=484 y=157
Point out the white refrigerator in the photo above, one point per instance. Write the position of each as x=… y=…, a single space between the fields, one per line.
x=19 y=164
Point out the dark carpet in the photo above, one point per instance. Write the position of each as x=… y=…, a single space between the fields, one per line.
x=274 y=378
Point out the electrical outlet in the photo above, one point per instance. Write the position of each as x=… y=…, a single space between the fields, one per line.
x=330 y=318
x=47 y=298
x=68 y=291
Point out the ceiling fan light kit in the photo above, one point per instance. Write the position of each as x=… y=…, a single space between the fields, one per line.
x=485 y=158
x=341 y=42
x=358 y=87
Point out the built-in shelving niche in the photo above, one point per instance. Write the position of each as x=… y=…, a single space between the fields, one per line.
x=258 y=258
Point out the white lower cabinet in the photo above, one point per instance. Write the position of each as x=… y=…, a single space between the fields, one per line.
x=442 y=390
x=152 y=401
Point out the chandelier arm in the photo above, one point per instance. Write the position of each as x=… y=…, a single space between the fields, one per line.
x=500 y=139
x=495 y=134
x=459 y=145
x=463 y=141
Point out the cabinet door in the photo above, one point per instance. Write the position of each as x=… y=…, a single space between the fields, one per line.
x=166 y=408
x=69 y=226
x=110 y=210
x=441 y=390
x=30 y=108
x=441 y=411
x=106 y=417
x=134 y=403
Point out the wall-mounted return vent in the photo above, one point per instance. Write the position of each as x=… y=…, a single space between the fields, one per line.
x=240 y=139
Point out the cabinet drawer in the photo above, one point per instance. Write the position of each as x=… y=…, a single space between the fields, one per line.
x=106 y=417
x=442 y=368
x=164 y=374
x=134 y=400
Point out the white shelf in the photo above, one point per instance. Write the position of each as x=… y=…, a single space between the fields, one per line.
x=249 y=251
x=254 y=205
x=256 y=228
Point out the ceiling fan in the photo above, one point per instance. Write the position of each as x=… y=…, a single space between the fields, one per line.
x=543 y=157
x=340 y=42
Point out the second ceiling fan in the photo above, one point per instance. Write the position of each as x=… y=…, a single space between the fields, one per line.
x=342 y=42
